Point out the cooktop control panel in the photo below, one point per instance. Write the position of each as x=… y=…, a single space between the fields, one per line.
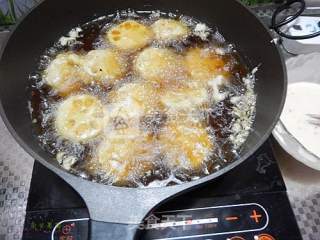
x=229 y=222
x=207 y=222
x=238 y=221
x=266 y=216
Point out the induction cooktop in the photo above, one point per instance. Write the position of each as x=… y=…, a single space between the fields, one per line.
x=248 y=203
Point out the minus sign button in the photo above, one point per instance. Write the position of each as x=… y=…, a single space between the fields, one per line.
x=232 y=218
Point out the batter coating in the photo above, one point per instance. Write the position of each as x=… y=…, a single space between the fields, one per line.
x=126 y=154
x=168 y=30
x=130 y=36
x=104 y=65
x=202 y=64
x=186 y=144
x=160 y=66
x=79 y=118
x=65 y=73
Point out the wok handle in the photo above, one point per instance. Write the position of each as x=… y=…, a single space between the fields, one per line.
x=105 y=231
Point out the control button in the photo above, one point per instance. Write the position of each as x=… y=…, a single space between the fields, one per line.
x=231 y=218
x=236 y=238
x=264 y=237
x=66 y=229
x=255 y=216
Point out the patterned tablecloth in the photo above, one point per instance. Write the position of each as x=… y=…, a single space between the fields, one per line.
x=303 y=186
x=15 y=175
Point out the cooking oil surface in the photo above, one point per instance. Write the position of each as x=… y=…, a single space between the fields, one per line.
x=142 y=100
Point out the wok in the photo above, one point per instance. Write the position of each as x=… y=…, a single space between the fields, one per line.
x=119 y=206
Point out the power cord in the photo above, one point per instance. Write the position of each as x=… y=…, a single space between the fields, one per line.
x=277 y=25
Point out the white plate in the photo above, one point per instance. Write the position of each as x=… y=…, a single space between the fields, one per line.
x=304 y=68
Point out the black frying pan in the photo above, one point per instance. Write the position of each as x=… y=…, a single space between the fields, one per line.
x=53 y=18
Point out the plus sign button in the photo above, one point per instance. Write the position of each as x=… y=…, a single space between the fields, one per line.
x=255 y=216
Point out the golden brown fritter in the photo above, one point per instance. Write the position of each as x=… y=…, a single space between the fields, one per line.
x=104 y=65
x=79 y=118
x=168 y=30
x=126 y=154
x=130 y=36
x=65 y=73
x=160 y=66
x=203 y=65
x=186 y=144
